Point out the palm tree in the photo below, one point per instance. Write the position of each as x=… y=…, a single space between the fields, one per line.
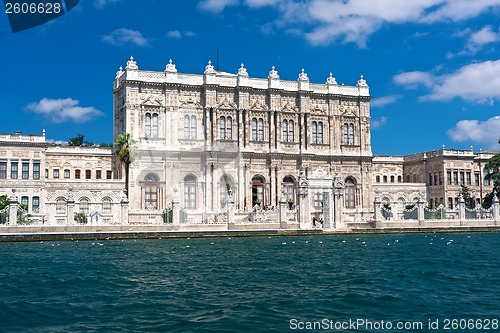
x=122 y=151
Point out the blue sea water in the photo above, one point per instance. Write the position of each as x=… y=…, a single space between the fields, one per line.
x=258 y=284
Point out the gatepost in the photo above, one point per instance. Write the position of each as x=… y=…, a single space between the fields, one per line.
x=304 y=207
x=230 y=207
x=13 y=204
x=496 y=208
x=420 y=211
x=378 y=216
x=461 y=209
x=71 y=207
x=176 y=209
x=283 y=210
x=124 y=208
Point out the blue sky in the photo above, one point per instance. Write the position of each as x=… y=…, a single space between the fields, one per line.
x=433 y=66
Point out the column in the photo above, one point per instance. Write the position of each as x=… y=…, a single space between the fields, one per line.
x=378 y=216
x=124 y=219
x=176 y=209
x=13 y=204
x=304 y=206
x=283 y=210
x=230 y=207
x=461 y=209
x=496 y=208
x=420 y=210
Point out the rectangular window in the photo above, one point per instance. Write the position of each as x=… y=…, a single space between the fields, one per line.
x=440 y=178
x=109 y=174
x=56 y=173
x=448 y=177
x=35 y=204
x=3 y=170
x=14 y=170
x=462 y=178
x=430 y=179
x=450 y=203
x=318 y=200
x=455 y=177
x=98 y=174
x=88 y=174
x=46 y=173
x=435 y=179
x=36 y=170
x=77 y=174
x=66 y=173
x=468 y=178
x=476 y=178
x=24 y=203
x=26 y=170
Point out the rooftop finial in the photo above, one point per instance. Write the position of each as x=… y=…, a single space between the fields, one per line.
x=209 y=69
x=273 y=74
x=303 y=76
x=119 y=73
x=242 y=71
x=131 y=64
x=170 y=68
x=362 y=82
x=331 y=79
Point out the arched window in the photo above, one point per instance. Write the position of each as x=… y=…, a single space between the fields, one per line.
x=151 y=185
x=225 y=125
x=348 y=134
x=350 y=193
x=147 y=124
x=320 y=132
x=189 y=127
x=401 y=204
x=290 y=131
x=222 y=127
x=285 y=131
x=154 y=125
x=84 y=206
x=314 y=132
x=106 y=205
x=254 y=129
x=226 y=183
x=229 y=128
x=60 y=206
x=190 y=191
x=260 y=130
x=258 y=184
x=288 y=188
x=25 y=202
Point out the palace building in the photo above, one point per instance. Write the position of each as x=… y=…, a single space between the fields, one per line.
x=206 y=134
x=210 y=142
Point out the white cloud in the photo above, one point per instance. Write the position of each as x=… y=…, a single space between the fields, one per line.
x=377 y=123
x=176 y=34
x=413 y=79
x=63 y=110
x=482 y=37
x=478 y=82
x=123 y=36
x=102 y=3
x=385 y=100
x=216 y=6
x=353 y=21
x=483 y=132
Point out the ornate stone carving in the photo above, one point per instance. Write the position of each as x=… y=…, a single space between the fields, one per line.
x=242 y=71
x=303 y=76
x=362 y=82
x=170 y=68
x=119 y=73
x=331 y=79
x=273 y=74
x=131 y=64
x=209 y=69
x=319 y=173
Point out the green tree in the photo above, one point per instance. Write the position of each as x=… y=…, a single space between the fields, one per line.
x=493 y=166
x=122 y=149
x=469 y=201
x=4 y=201
x=77 y=141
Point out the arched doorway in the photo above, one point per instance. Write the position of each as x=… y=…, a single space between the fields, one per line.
x=258 y=187
x=288 y=189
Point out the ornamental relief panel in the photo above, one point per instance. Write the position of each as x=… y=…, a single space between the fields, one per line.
x=225 y=101
x=152 y=100
x=258 y=102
